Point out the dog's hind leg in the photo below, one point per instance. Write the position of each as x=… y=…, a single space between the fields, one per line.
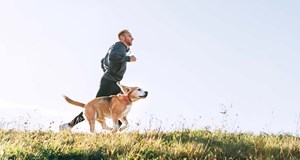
x=92 y=125
x=90 y=116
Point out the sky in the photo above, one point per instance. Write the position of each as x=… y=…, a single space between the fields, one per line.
x=230 y=65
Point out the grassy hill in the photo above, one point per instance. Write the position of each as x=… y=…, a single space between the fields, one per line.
x=186 y=144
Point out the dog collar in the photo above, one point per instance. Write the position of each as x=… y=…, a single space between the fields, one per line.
x=128 y=99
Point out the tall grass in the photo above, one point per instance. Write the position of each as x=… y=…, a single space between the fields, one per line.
x=185 y=144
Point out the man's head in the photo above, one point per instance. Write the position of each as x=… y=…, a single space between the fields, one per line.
x=125 y=37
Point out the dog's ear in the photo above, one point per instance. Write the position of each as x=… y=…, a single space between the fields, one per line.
x=124 y=89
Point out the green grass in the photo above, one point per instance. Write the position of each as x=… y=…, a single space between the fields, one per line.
x=186 y=144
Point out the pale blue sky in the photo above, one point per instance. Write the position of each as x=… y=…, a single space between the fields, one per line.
x=194 y=58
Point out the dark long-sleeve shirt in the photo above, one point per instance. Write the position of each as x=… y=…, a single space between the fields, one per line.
x=117 y=62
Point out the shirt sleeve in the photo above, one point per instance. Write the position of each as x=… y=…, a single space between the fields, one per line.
x=118 y=54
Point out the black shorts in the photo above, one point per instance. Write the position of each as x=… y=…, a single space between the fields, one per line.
x=107 y=88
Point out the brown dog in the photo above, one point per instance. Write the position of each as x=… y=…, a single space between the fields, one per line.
x=115 y=107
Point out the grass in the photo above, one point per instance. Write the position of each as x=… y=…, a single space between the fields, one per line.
x=185 y=144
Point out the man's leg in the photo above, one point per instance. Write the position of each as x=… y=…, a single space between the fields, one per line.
x=76 y=120
x=108 y=88
x=70 y=125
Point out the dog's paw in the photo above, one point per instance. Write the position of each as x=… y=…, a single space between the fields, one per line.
x=115 y=129
x=107 y=128
x=123 y=128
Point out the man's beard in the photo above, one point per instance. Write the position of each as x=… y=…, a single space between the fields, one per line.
x=129 y=43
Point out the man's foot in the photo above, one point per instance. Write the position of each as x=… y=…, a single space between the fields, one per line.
x=65 y=127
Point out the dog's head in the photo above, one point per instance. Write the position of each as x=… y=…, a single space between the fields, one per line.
x=134 y=93
x=137 y=92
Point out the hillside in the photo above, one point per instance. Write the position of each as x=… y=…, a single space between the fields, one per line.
x=187 y=144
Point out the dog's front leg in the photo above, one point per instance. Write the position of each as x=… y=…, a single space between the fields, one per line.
x=103 y=124
x=125 y=122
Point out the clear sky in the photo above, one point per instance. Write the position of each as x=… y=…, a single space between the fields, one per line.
x=196 y=58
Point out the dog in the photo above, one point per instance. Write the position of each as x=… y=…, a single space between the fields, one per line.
x=115 y=107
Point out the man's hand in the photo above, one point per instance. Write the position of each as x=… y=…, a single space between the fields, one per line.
x=132 y=58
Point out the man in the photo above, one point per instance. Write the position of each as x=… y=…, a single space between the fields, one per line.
x=114 y=71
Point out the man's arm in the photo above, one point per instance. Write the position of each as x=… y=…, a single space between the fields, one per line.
x=118 y=55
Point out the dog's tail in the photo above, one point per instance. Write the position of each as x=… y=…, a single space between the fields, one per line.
x=74 y=102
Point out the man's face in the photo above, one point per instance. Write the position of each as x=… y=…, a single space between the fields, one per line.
x=128 y=39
